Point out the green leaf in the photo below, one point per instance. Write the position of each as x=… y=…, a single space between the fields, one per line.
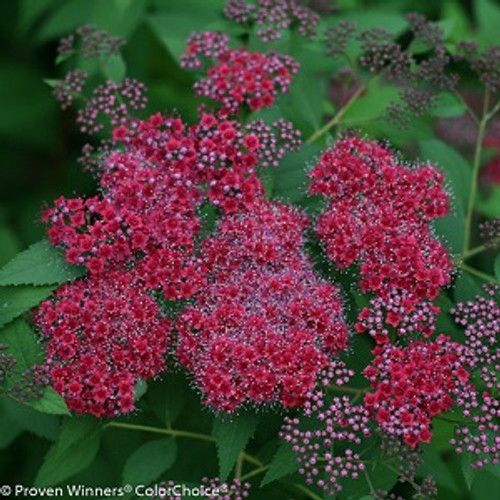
x=150 y=461
x=42 y=425
x=303 y=105
x=25 y=347
x=375 y=18
x=497 y=267
x=114 y=68
x=488 y=16
x=451 y=231
x=51 y=402
x=372 y=104
x=40 y=264
x=116 y=18
x=231 y=436
x=15 y=300
x=448 y=106
x=466 y=288
x=22 y=344
x=167 y=397
x=458 y=176
x=174 y=21
x=493 y=469
x=485 y=486
x=283 y=464
x=460 y=28
x=10 y=427
x=457 y=171
x=467 y=471
x=434 y=465
x=290 y=177
x=74 y=451
x=489 y=204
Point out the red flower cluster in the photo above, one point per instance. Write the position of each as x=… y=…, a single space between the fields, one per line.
x=144 y=221
x=151 y=191
x=266 y=324
x=378 y=214
x=413 y=384
x=239 y=76
x=103 y=334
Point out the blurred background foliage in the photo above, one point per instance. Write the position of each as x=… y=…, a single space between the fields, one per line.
x=40 y=145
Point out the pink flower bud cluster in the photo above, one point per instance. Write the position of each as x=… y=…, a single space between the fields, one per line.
x=238 y=77
x=379 y=215
x=69 y=87
x=112 y=103
x=90 y=43
x=481 y=437
x=103 y=334
x=328 y=452
x=274 y=16
x=397 y=312
x=266 y=324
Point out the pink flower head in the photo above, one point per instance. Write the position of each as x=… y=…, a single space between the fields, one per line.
x=102 y=334
x=238 y=76
x=266 y=324
x=379 y=215
x=413 y=384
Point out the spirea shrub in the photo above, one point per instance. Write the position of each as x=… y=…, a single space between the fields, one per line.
x=305 y=293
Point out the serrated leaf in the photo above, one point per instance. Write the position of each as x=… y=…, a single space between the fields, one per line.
x=22 y=344
x=51 y=402
x=231 y=436
x=283 y=463
x=44 y=426
x=75 y=450
x=15 y=300
x=40 y=264
x=150 y=461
